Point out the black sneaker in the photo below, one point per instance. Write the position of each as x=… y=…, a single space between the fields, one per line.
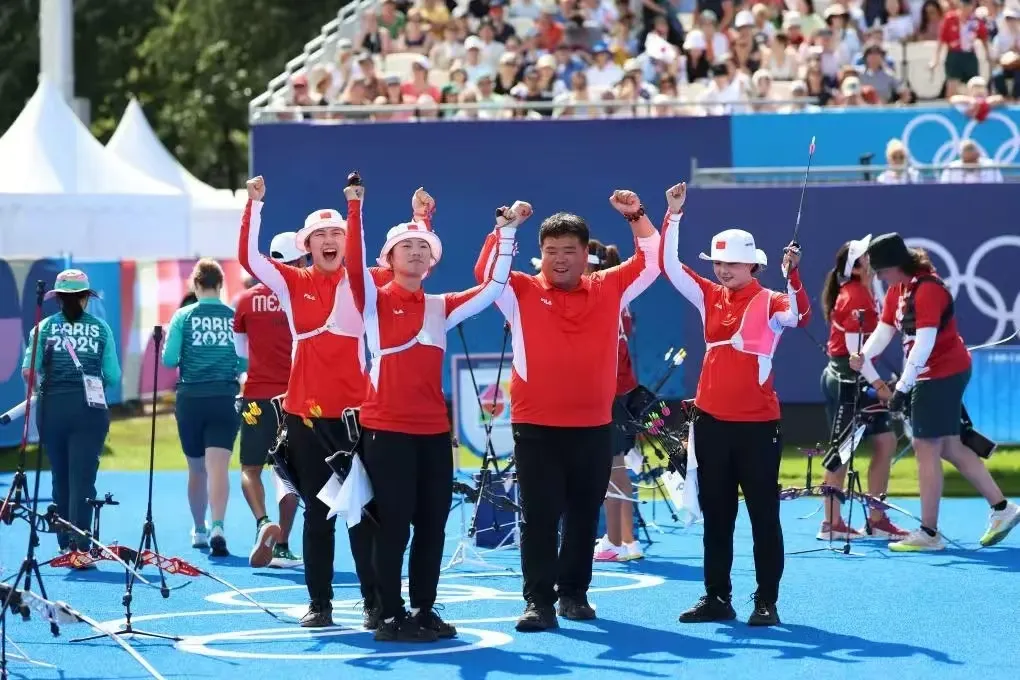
x=764 y=614
x=430 y=620
x=403 y=628
x=537 y=617
x=371 y=616
x=319 y=615
x=709 y=608
x=576 y=608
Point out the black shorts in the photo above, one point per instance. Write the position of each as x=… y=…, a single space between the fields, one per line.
x=624 y=437
x=205 y=423
x=258 y=432
x=936 y=406
x=838 y=389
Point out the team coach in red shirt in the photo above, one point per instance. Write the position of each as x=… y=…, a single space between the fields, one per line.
x=565 y=328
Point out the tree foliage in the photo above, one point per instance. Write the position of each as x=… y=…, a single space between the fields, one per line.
x=193 y=65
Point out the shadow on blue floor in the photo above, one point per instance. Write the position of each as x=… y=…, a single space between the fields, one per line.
x=945 y=615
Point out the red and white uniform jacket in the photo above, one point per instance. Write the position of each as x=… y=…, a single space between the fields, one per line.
x=626 y=380
x=742 y=331
x=566 y=342
x=406 y=336
x=328 y=366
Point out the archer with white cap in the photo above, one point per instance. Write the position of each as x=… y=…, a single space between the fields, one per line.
x=75 y=419
x=736 y=423
x=407 y=435
x=262 y=334
x=327 y=378
x=851 y=310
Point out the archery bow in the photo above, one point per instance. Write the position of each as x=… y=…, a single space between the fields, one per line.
x=61 y=613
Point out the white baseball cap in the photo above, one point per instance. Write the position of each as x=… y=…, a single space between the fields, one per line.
x=857 y=249
x=408 y=230
x=320 y=219
x=284 y=247
x=735 y=245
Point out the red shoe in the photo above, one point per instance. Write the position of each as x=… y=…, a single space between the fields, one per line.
x=884 y=528
x=838 y=531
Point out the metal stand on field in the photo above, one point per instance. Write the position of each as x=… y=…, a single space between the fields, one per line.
x=466 y=552
x=30 y=566
x=148 y=541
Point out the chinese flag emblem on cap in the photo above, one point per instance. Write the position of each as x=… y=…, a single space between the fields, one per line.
x=325 y=215
x=720 y=245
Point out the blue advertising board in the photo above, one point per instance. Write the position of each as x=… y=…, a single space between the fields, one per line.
x=473 y=167
x=993 y=394
x=931 y=135
x=967 y=230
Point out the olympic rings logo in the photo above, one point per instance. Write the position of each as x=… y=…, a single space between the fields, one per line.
x=981 y=292
x=950 y=149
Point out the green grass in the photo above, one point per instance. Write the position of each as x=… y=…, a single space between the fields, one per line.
x=127 y=448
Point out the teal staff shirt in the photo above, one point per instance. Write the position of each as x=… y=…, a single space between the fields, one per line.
x=93 y=344
x=200 y=342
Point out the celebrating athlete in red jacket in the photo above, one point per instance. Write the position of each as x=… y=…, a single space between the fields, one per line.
x=327 y=377
x=407 y=439
x=735 y=438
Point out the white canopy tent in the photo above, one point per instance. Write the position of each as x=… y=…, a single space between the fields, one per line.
x=62 y=192
x=215 y=213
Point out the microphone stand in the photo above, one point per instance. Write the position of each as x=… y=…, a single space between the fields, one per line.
x=465 y=552
x=148 y=540
x=30 y=566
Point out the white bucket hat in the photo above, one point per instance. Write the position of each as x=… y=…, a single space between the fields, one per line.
x=284 y=247
x=320 y=219
x=857 y=249
x=406 y=230
x=735 y=245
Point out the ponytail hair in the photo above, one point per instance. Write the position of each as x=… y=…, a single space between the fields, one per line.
x=608 y=255
x=612 y=258
x=207 y=275
x=72 y=305
x=834 y=280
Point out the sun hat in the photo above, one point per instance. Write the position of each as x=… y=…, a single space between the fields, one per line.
x=735 y=245
x=71 y=281
x=320 y=219
x=857 y=250
x=284 y=247
x=408 y=230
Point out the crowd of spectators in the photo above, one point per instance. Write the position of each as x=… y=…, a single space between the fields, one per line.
x=635 y=58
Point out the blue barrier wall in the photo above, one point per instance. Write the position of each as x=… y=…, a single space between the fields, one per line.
x=967 y=230
x=471 y=168
x=931 y=136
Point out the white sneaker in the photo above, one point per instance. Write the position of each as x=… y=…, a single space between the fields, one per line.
x=634 y=551
x=614 y=553
x=199 y=539
x=1000 y=523
x=918 y=541
x=262 y=552
x=603 y=544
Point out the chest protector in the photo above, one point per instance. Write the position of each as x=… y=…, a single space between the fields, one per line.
x=344 y=319
x=432 y=334
x=755 y=336
x=906 y=315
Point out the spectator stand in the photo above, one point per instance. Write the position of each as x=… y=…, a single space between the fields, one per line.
x=785 y=56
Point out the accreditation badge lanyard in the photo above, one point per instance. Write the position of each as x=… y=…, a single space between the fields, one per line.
x=95 y=395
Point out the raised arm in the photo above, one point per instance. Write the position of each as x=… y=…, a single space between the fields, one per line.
x=484 y=268
x=274 y=274
x=689 y=284
x=363 y=287
x=464 y=305
x=634 y=276
x=797 y=310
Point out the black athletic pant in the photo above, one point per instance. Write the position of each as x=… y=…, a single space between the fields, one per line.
x=562 y=471
x=745 y=454
x=412 y=483
x=308 y=457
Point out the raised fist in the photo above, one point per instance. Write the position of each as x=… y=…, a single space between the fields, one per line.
x=520 y=211
x=422 y=203
x=675 y=197
x=354 y=191
x=625 y=202
x=256 y=188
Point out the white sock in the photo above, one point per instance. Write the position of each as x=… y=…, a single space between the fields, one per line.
x=389 y=620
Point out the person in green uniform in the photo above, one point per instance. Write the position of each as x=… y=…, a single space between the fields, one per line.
x=72 y=415
x=200 y=342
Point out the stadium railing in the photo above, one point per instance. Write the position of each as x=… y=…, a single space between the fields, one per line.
x=837 y=174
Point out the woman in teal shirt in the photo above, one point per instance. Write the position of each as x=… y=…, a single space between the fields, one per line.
x=201 y=343
x=72 y=416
